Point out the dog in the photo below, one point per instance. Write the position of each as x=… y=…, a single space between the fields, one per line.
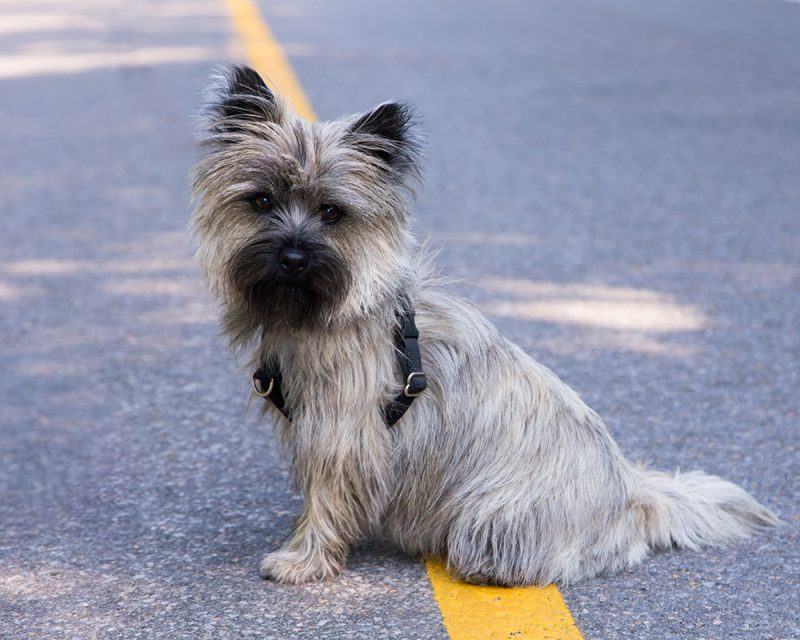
x=406 y=414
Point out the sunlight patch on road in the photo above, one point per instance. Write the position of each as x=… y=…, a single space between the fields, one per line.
x=44 y=35
x=185 y=287
x=602 y=306
x=36 y=22
x=55 y=267
x=194 y=312
x=10 y=291
x=44 y=266
x=482 y=239
x=20 y=66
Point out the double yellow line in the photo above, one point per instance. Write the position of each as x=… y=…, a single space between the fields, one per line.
x=469 y=612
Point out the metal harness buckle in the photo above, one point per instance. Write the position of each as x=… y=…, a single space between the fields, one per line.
x=410 y=380
x=258 y=387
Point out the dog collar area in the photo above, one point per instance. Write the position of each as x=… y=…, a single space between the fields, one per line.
x=267 y=378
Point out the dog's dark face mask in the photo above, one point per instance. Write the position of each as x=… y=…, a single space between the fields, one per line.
x=290 y=279
x=301 y=225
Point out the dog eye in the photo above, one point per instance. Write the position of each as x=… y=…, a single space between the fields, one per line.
x=261 y=202
x=330 y=213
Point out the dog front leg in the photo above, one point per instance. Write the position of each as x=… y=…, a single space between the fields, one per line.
x=316 y=550
x=341 y=499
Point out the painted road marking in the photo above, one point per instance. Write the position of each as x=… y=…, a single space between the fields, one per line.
x=267 y=57
x=469 y=612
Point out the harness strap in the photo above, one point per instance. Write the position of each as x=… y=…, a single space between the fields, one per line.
x=408 y=357
x=268 y=377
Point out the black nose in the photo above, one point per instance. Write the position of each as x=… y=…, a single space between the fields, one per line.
x=293 y=260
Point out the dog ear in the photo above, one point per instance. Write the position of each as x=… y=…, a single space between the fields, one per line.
x=238 y=98
x=388 y=133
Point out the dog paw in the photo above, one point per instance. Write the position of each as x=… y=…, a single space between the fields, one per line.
x=292 y=567
x=478 y=578
x=484 y=580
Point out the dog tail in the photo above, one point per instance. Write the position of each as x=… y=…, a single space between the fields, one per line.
x=694 y=510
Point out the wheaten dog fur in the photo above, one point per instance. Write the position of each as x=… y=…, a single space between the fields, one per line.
x=498 y=466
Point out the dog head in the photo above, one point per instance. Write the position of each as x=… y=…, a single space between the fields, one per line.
x=301 y=225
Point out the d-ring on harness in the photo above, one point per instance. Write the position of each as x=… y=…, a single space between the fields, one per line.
x=267 y=379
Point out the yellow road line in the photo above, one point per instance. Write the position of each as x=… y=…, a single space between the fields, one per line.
x=469 y=612
x=267 y=57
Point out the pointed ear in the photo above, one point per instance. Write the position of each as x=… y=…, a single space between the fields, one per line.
x=388 y=132
x=238 y=97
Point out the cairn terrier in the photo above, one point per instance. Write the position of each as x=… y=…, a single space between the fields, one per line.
x=454 y=443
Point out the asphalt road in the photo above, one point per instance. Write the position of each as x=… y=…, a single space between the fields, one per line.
x=619 y=182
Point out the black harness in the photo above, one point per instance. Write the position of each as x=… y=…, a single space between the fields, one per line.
x=267 y=379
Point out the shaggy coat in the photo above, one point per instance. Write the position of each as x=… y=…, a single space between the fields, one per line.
x=498 y=466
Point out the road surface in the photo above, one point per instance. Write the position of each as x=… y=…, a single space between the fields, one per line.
x=616 y=182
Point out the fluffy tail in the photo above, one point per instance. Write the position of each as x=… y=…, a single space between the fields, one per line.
x=693 y=510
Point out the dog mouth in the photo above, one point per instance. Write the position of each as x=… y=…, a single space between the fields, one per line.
x=279 y=302
x=293 y=283
x=275 y=296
